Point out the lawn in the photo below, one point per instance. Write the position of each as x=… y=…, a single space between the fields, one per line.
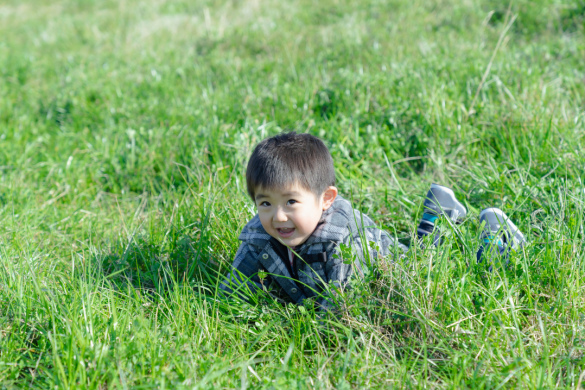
x=125 y=128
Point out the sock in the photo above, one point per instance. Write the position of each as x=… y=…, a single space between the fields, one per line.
x=427 y=226
x=493 y=245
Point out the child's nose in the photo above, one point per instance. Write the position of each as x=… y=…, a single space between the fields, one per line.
x=279 y=215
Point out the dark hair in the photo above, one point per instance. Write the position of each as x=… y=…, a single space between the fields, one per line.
x=288 y=158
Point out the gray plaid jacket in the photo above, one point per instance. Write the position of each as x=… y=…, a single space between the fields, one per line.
x=317 y=265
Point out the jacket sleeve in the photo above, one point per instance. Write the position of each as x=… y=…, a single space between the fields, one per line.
x=380 y=245
x=342 y=264
x=369 y=244
x=338 y=275
x=242 y=279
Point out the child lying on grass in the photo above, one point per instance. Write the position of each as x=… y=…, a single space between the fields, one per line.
x=292 y=247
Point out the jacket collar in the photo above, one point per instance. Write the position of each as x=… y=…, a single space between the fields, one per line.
x=334 y=223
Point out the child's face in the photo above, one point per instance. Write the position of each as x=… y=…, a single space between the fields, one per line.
x=292 y=214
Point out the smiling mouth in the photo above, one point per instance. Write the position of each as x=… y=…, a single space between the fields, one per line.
x=285 y=232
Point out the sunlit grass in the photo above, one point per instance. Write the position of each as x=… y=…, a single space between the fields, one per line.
x=124 y=133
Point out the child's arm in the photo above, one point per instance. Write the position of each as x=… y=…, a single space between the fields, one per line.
x=243 y=278
x=342 y=264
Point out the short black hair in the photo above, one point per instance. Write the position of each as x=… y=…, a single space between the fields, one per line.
x=289 y=158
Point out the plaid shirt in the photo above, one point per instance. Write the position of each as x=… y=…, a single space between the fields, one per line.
x=317 y=265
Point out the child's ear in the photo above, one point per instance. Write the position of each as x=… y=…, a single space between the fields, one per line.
x=329 y=197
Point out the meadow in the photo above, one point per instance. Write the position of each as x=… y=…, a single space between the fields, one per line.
x=125 y=128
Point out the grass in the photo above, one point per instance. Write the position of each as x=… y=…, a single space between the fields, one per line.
x=124 y=133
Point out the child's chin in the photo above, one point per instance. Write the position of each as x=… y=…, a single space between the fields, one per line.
x=291 y=242
x=295 y=241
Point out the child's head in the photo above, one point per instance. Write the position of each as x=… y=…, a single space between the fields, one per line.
x=291 y=179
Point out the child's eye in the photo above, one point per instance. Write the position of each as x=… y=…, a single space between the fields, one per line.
x=264 y=204
x=292 y=201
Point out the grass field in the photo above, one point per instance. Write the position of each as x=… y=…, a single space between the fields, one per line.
x=125 y=127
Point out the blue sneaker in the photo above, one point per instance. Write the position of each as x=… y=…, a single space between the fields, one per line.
x=499 y=235
x=440 y=201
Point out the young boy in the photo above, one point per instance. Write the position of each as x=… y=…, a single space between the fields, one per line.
x=293 y=247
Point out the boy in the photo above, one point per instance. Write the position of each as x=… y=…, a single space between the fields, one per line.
x=293 y=247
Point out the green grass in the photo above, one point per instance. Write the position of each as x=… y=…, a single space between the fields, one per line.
x=125 y=127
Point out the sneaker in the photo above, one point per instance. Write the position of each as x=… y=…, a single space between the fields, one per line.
x=499 y=234
x=439 y=201
x=498 y=225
